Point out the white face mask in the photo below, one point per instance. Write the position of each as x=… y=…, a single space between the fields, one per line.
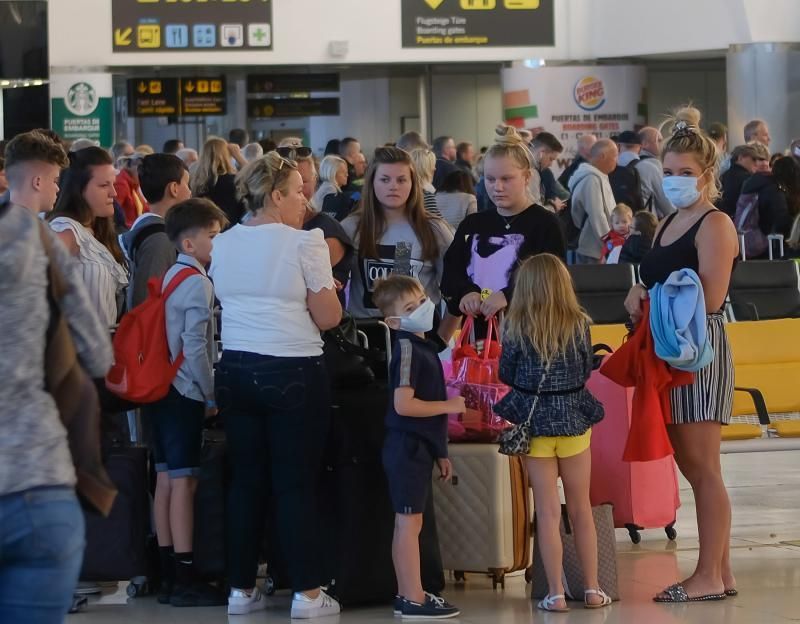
x=681 y=190
x=420 y=321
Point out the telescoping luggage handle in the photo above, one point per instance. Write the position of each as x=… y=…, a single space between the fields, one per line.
x=772 y=238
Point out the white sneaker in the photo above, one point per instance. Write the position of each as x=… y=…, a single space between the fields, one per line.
x=304 y=607
x=239 y=603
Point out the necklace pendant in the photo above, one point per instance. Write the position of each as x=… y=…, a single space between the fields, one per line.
x=508 y=226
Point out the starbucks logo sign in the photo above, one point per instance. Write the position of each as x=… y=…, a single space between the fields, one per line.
x=81 y=99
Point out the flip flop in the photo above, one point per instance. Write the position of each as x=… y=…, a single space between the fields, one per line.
x=547 y=604
x=677 y=593
x=596 y=592
x=732 y=593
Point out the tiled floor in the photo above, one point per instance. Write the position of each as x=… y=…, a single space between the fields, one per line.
x=765 y=490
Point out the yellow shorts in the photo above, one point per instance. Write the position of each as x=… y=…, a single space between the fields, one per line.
x=560 y=446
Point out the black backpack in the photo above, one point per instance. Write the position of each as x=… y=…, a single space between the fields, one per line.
x=627 y=186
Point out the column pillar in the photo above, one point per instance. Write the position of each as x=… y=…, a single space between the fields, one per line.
x=764 y=83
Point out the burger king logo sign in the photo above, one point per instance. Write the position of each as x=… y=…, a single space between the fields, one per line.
x=590 y=93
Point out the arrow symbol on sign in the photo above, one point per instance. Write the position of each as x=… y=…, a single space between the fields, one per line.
x=142 y=87
x=434 y=4
x=189 y=86
x=122 y=36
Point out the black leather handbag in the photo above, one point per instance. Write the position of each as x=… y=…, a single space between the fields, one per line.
x=347 y=361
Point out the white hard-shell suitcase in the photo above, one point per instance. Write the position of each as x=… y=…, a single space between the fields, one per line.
x=484 y=514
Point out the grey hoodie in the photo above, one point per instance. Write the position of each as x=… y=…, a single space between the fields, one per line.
x=651 y=175
x=155 y=255
x=592 y=203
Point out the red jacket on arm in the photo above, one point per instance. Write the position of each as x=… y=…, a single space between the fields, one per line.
x=128 y=192
x=636 y=364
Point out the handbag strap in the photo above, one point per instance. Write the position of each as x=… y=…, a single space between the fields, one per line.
x=536 y=396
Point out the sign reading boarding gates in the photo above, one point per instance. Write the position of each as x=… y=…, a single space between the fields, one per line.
x=191 y=25
x=478 y=23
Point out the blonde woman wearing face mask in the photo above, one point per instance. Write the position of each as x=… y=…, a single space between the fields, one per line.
x=702 y=238
x=277 y=292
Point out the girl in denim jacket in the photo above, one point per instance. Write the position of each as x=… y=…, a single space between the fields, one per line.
x=546 y=360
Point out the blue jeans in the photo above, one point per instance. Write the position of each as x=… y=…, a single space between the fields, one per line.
x=42 y=538
x=277 y=414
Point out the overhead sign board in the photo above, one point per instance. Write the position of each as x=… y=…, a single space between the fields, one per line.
x=292 y=107
x=292 y=83
x=191 y=25
x=478 y=23
x=167 y=97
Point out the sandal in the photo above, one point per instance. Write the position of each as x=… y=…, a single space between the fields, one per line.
x=677 y=593
x=596 y=592
x=731 y=593
x=547 y=604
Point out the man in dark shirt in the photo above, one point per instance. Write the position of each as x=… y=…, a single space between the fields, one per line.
x=743 y=165
x=445 y=149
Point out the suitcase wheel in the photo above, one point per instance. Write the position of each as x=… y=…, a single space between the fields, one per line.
x=137 y=587
x=529 y=575
x=459 y=576
x=498 y=578
x=671 y=532
x=633 y=531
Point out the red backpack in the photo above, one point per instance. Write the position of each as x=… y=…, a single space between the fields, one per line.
x=143 y=369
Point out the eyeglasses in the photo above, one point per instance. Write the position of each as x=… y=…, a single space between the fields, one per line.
x=293 y=153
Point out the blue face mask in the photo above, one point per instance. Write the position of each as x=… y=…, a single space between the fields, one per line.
x=420 y=321
x=681 y=190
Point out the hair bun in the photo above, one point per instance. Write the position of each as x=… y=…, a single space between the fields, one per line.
x=690 y=115
x=507 y=135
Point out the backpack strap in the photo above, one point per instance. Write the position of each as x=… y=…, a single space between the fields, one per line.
x=143 y=234
x=179 y=278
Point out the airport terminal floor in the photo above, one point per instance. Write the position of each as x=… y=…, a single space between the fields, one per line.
x=765 y=495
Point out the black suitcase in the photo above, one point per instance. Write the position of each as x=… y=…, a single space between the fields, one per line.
x=209 y=509
x=356 y=507
x=119 y=547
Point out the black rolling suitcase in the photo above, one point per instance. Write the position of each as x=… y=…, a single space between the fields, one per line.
x=209 y=509
x=121 y=547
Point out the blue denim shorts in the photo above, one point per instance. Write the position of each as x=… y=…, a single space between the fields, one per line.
x=177 y=434
x=408 y=463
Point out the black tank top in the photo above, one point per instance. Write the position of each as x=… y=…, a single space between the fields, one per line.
x=661 y=261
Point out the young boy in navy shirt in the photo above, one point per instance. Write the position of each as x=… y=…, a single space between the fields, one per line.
x=416 y=435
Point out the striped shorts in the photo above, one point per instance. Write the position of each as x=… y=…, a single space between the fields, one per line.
x=710 y=397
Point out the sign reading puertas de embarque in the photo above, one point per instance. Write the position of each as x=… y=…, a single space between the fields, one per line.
x=478 y=23
x=191 y=25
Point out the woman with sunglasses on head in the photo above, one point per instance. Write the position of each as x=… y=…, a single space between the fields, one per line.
x=213 y=177
x=84 y=220
x=277 y=291
x=701 y=238
x=392 y=232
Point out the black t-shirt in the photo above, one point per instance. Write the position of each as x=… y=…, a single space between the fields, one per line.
x=331 y=228
x=488 y=248
x=415 y=364
x=224 y=195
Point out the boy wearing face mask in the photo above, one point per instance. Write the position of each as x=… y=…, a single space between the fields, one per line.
x=416 y=434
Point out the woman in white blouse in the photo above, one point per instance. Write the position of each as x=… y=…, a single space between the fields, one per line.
x=277 y=292
x=84 y=220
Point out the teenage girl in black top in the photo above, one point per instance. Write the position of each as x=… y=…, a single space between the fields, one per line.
x=701 y=238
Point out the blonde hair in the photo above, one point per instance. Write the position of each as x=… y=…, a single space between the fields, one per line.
x=215 y=160
x=145 y=149
x=256 y=181
x=544 y=313
x=622 y=210
x=508 y=143
x=688 y=138
x=425 y=164
x=329 y=167
x=762 y=151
